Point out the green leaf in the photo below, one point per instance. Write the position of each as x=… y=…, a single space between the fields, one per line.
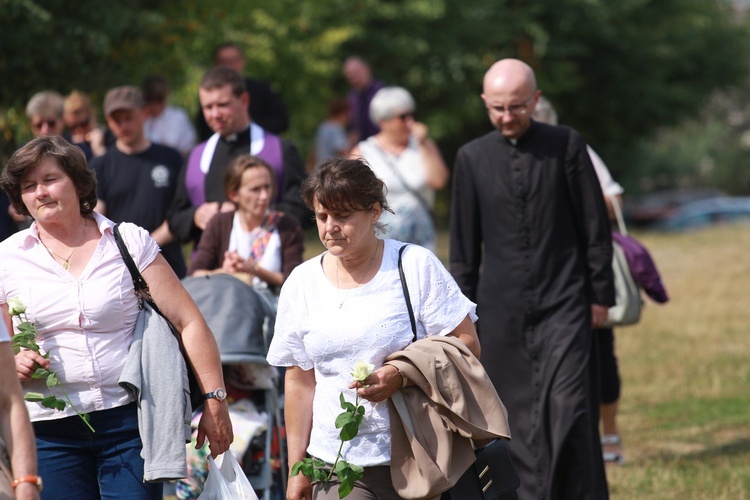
x=361 y=410
x=357 y=470
x=342 y=400
x=35 y=397
x=306 y=468
x=52 y=380
x=53 y=403
x=341 y=465
x=343 y=419
x=349 y=431
x=318 y=463
x=358 y=419
x=27 y=328
x=41 y=373
x=345 y=487
x=349 y=407
x=319 y=476
x=296 y=468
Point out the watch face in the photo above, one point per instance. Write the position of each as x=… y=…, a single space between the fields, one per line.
x=220 y=394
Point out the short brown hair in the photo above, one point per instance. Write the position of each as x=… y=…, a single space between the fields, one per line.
x=233 y=174
x=220 y=76
x=344 y=185
x=155 y=88
x=71 y=160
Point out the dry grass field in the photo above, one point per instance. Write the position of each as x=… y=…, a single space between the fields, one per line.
x=685 y=407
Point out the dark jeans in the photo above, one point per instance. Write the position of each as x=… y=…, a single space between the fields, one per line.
x=78 y=464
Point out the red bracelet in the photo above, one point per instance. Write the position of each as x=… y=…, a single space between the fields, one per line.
x=35 y=480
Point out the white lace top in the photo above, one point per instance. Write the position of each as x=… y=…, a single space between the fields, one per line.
x=312 y=332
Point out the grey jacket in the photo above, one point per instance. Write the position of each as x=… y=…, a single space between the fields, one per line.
x=151 y=373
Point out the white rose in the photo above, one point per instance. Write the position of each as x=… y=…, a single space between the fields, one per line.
x=362 y=371
x=15 y=306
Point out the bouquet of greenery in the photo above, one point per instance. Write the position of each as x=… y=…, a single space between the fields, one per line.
x=349 y=422
x=26 y=339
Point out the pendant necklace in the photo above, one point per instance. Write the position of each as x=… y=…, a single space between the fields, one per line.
x=66 y=262
x=357 y=283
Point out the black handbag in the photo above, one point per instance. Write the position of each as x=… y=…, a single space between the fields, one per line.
x=144 y=295
x=492 y=476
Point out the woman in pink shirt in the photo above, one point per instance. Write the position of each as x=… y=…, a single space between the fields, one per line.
x=67 y=270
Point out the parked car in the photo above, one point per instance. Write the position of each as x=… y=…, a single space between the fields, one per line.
x=650 y=207
x=703 y=213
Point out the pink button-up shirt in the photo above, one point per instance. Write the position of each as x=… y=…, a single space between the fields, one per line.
x=85 y=324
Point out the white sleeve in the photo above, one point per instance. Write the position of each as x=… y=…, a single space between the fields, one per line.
x=441 y=306
x=287 y=347
x=609 y=186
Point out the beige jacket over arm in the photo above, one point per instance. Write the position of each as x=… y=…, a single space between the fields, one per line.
x=432 y=422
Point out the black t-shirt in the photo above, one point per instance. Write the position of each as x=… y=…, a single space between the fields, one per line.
x=139 y=188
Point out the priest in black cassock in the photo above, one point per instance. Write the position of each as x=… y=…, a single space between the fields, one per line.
x=530 y=244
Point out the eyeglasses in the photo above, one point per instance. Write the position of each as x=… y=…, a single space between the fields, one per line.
x=514 y=110
x=403 y=116
x=38 y=124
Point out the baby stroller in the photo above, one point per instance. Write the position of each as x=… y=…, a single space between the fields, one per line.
x=242 y=322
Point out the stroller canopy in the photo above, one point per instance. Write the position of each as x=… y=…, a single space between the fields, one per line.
x=239 y=317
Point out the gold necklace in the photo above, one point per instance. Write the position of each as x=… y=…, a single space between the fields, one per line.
x=357 y=282
x=66 y=262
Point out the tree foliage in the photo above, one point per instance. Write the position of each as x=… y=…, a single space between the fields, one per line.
x=617 y=71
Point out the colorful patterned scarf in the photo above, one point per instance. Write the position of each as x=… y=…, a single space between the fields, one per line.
x=262 y=234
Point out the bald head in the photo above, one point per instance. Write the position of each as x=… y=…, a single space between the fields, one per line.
x=510 y=73
x=510 y=96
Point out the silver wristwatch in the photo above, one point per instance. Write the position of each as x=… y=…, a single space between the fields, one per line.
x=219 y=394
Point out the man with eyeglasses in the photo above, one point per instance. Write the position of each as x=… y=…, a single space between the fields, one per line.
x=530 y=244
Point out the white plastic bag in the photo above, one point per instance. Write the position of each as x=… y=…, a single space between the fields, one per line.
x=227 y=481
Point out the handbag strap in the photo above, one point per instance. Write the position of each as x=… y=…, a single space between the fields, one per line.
x=618 y=215
x=405 y=288
x=384 y=155
x=140 y=287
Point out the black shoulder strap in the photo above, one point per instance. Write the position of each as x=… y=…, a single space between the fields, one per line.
x=405 y=288
x=139 y=284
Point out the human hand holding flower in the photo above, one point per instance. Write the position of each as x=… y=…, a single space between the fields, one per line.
x=378 y=385
x=31 y=363
x=349 y=422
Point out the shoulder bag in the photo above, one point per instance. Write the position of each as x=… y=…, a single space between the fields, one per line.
x=145 y=300
x=628 y=300
x=492 y=476
x=403 y=182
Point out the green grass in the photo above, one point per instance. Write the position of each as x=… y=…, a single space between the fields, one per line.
x=685 y=406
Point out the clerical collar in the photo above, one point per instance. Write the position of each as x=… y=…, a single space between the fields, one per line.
x=231 y=138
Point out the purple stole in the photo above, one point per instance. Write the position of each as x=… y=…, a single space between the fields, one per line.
x=200 y=159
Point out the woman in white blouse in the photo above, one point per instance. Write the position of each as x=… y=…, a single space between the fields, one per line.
x=347 y=305
x=409 y=162
x=67 y=270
